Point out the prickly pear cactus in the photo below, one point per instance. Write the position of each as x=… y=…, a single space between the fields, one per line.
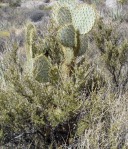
x=73 y=20
x=30 y=37
x=83 y=44
x=66 y=36
x=62 y=15
x=41 y=68
x=67 y=39
x=83 y=18
x=71 y=4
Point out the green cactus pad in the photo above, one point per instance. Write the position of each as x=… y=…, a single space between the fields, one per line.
x=41 y=68
x=83 y=44
x=62 y=15
x=83 y=18
x=30 y=37
x=30 y=32
x=69 y=3
x=66 y=36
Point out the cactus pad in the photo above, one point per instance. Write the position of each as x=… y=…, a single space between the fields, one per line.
x=69 y=3
x=30 y=37
x=41 y=68
x=30 y=32
x=62 y=15
x=66 y=36
x=84 y=18
x=83 y=44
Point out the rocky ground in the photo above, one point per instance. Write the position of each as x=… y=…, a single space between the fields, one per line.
x=29 y=10
x=13 y=19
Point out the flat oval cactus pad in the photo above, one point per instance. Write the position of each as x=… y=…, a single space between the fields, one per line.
x=83 y=18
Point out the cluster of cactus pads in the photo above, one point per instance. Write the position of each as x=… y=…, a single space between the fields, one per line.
x=73 y=21
x=37 y=65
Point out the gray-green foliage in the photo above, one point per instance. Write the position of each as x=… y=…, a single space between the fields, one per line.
x=2 y=79
x=113 y=54
x=14 y=3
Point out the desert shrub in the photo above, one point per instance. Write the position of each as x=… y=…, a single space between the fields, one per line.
x=14 y=3
x=113 y=47
x=3 y=1
x=48 y=107
x=105 y=124
x=101 y=121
